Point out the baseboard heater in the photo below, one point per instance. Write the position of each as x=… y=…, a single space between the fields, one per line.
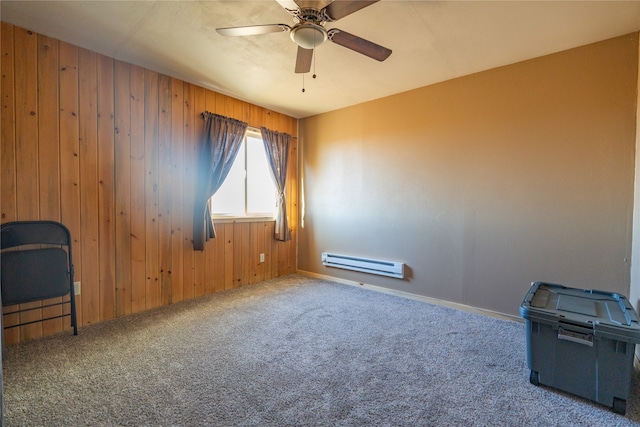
x=366 y=265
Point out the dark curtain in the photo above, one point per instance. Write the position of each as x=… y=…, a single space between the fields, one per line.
x=277 y=147
x=218 y=150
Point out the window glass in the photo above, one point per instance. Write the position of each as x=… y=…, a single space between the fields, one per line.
x=261 y=191
x=249 y=190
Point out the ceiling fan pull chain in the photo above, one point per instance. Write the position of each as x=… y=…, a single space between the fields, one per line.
x=303 y=82
x=314 y=63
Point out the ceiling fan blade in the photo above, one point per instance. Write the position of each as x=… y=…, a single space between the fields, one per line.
x=303 y=60
x=289 y=5
x=341 y=8
x=252 y=30
x=358 y=44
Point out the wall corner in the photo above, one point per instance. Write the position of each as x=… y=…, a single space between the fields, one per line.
x=634 y=286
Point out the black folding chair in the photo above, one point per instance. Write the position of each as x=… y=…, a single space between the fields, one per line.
x=36 y=264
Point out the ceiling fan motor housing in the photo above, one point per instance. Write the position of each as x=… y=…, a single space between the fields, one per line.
x=301 y=16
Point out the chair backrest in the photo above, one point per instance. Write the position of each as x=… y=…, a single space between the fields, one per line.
x=34 y=275
x=19 y=233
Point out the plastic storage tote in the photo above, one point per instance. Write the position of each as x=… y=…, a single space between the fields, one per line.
x=581 y=341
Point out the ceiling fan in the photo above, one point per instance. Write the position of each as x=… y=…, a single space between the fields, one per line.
x=308 y=31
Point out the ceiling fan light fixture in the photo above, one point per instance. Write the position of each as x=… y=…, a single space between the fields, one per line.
x=308 y=36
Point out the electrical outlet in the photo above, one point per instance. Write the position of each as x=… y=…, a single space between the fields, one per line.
x=261 y=257
x=76 y=288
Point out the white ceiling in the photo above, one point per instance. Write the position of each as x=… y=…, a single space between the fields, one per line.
x=432 y=41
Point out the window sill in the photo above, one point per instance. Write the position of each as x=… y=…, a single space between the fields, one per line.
x=232 y=219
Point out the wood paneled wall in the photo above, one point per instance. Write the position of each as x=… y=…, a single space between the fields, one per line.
x=108 y=148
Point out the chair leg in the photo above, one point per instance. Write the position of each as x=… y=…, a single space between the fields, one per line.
x=74 y=321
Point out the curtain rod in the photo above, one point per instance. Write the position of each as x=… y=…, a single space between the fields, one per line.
x=257 y=130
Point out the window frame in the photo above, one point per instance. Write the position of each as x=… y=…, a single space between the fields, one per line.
x=248 y=216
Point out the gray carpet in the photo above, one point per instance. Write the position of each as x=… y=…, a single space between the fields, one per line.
x=293 y=351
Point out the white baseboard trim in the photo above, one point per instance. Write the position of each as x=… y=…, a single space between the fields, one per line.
x=416 y=297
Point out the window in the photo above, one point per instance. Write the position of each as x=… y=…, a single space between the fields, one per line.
x=248 y=190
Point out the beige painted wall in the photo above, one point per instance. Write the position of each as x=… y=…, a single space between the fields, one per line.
x=634 y=293
x=484 y=183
